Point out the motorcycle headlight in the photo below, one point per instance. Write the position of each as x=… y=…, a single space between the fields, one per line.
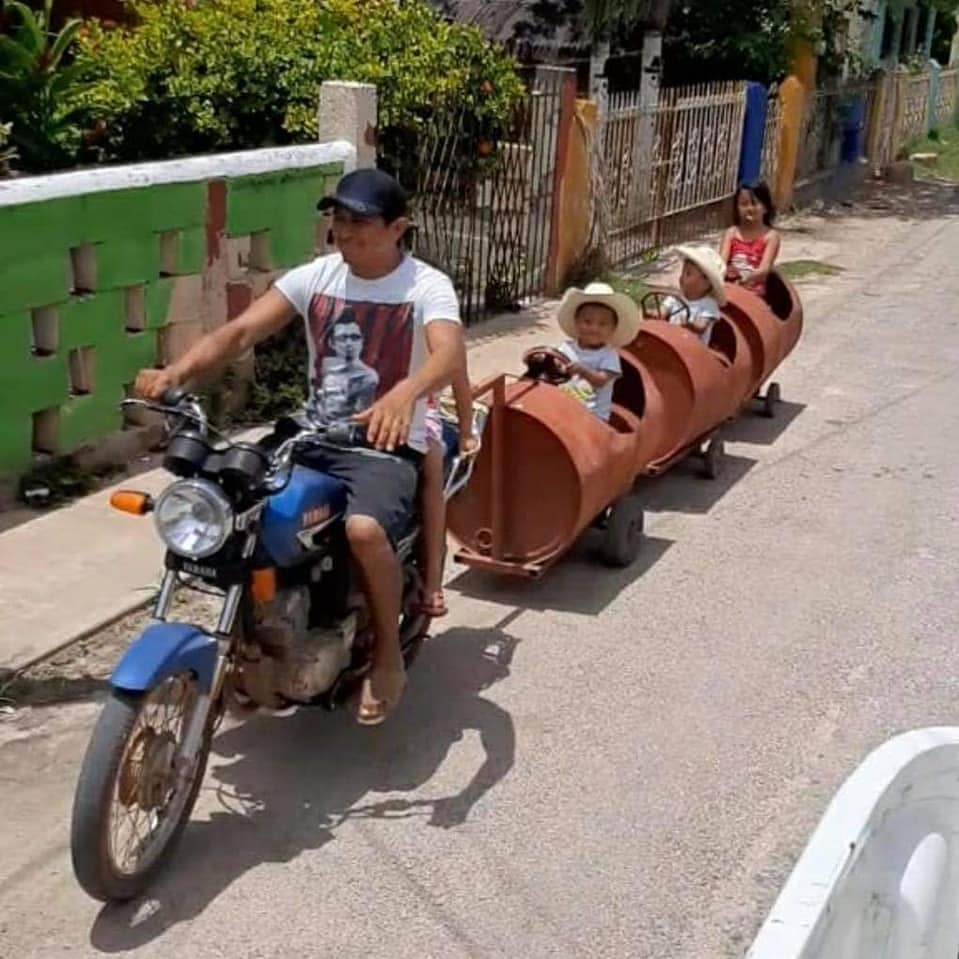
x=193 y=518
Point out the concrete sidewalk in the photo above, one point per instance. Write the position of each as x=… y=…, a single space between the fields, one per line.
x=66 y=574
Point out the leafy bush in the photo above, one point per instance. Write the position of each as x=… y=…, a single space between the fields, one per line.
x=235 y=74
x=40 y=90
x=7 y=153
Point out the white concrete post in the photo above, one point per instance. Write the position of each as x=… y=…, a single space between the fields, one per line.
x=643 y=145
x=598 y=56
x=348 y=112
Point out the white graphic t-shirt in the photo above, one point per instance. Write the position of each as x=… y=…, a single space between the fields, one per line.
x=603 y=360
x=365 y=336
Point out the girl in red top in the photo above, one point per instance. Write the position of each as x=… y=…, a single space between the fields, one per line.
x=750 y=247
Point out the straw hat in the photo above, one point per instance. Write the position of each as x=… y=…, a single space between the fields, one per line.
x=628 y=316
x=712 y=265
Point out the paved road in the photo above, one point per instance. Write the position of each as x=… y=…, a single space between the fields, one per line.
x=600 y=764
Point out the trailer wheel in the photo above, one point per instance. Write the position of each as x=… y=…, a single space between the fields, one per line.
x=623 y=536
x=713 y=457
x=771 y=400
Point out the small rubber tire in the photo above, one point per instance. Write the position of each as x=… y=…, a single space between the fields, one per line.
x=771 y=400
x=90 y=825
x=713 y=458
x=623 y=536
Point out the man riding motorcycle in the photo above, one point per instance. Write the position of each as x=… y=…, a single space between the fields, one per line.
x=401 y=318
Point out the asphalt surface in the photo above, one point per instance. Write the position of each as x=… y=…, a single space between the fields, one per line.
x=603 y=763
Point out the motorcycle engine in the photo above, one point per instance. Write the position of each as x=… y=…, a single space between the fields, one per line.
x=288 y=660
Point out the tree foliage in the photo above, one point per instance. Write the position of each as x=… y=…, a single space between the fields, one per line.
x=40 y=89
x=176 y=84
x=734 y=40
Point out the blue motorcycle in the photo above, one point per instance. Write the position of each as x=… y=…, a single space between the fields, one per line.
x=252 y=522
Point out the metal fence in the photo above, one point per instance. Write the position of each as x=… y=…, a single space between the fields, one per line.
x=947 y=96
x=827 y=111
x=663 y=162
x=771 y=133
x=484 y=205
x=912 y=108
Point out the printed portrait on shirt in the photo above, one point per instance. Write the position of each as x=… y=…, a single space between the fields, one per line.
x=360 y=351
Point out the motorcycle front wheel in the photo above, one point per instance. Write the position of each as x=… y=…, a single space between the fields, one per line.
x=136 y=789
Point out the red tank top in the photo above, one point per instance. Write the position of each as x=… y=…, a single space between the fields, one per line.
x=746 y=255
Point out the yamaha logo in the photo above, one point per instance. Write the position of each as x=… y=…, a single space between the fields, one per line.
x=313 y=517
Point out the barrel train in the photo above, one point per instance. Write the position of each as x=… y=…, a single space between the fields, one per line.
x=548 y=469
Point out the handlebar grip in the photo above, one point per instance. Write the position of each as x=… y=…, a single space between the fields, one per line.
x=174 y=396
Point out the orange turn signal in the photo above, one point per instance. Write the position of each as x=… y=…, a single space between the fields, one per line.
x=130 y=501
x=263 y=586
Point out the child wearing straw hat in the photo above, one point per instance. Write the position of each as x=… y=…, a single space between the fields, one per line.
x=598 y=321
x=701 y=283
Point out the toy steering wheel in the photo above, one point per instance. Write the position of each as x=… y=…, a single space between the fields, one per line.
x=653 y=305
x=547 y=365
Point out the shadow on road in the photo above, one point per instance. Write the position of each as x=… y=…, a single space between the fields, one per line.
x=284 y=785
x=762 y=430
x=923 y=199
x=683 y=489
x=920 y=200
x=578 y=583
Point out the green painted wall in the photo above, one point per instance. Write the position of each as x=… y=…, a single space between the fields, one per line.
x=121 y=232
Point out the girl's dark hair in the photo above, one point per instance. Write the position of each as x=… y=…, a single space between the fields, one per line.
x=760 y=190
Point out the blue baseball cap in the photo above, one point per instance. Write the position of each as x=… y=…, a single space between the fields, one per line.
x=368 y=193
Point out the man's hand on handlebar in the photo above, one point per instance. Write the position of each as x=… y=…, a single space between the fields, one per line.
x=152 y=384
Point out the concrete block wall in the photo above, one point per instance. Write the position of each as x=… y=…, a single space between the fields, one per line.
x=107 y=271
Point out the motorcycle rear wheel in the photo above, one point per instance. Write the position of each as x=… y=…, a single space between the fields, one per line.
x=130 y=768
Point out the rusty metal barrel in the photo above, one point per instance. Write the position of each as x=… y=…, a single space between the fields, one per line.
x=547 y=469
x=771 y=327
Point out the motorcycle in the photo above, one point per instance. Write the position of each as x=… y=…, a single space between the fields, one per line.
x=252 y=522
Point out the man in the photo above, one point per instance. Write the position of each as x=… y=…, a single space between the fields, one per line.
x=370 y=298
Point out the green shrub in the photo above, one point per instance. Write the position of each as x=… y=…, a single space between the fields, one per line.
x=236 y=74
x=40 y=90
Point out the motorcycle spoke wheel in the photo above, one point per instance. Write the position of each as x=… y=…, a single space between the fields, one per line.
x=148 y=788
x=136 y=787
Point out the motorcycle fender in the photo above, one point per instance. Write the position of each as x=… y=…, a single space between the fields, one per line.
x=162 y=650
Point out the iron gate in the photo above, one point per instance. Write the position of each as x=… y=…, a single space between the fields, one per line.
x=484 y=204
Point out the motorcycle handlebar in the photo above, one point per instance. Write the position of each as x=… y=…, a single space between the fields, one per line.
x=174 y=396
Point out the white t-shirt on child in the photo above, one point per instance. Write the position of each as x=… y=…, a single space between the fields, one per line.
x=705 y=308
x=603 y=360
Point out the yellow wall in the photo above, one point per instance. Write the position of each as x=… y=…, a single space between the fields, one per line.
x=792 y=98
x=575 y=190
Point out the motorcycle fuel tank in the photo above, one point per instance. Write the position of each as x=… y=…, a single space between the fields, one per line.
x=308 y=500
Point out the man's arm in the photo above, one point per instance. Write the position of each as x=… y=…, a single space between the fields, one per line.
x=388 y=419
x=266 y=316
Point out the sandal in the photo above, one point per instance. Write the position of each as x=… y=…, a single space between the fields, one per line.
x=434 y=607
x=373 y=710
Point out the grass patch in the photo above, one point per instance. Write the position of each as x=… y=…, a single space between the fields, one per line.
x=798 y=269
x=946 y=144
x=632 y=286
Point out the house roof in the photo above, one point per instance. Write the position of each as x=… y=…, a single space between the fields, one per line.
x=532 y=20
x=503 y=20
